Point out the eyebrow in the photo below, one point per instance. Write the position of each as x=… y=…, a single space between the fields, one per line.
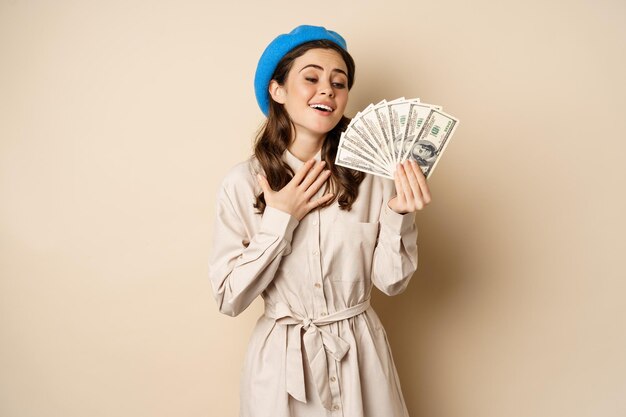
x=320 y=68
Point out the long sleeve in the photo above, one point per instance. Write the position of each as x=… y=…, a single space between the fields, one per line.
x=395 y=255
x=240 y=268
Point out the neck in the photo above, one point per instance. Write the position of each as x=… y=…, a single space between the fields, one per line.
x=306 y=146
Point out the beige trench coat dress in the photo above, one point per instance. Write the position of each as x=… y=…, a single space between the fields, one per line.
x=319 y=349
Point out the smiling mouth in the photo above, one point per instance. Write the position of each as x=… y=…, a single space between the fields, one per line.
x=322 y=107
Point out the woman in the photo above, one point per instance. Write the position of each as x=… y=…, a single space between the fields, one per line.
x=313 y=253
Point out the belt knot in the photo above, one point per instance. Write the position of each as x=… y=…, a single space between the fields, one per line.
x=318 y=344
x=306 y=323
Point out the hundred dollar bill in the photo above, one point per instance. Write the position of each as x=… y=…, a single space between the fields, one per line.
x=369 y=124
x=357 y=117
x=383 y=116
x=384 y=125
x=361 y=129
x=429 y=145
x=365 y=148
x=357 y=153
x=398 y=116
x=416 y=117
x=346 y=158
x=368 y=108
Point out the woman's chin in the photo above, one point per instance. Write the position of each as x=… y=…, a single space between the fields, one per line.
x=319 y=130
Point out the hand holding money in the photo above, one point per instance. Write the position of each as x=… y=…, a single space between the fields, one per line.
x=412 y=191
x=388 y=133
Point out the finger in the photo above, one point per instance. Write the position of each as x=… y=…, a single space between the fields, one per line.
x=406 y=187
x=313 y=174
x=399 y=189
x=418 y=200
x=319 y=181
x=323 y=199
x=300 y=174
x=421 y=179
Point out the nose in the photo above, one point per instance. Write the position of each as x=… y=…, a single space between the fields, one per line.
x=327 y=89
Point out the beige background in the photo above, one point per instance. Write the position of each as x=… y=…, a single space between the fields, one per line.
x=119 y=118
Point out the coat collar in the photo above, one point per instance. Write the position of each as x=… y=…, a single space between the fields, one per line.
x=295 y=163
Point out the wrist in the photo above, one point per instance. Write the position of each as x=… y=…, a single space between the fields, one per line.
x=282 y=209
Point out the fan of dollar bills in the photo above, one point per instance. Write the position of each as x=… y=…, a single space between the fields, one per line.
x=390 y=132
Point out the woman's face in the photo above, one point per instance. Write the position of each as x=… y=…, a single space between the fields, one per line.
x=315 y=93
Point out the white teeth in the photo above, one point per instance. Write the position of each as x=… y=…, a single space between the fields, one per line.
x=321 y=107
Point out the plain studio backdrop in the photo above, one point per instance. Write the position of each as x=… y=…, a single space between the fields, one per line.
x=118 y=119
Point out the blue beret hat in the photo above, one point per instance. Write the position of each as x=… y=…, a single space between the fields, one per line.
x=278 y=48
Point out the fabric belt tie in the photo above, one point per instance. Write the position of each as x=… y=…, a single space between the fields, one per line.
x=317 y=341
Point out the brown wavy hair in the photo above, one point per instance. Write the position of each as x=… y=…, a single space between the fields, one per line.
x=275 y=134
